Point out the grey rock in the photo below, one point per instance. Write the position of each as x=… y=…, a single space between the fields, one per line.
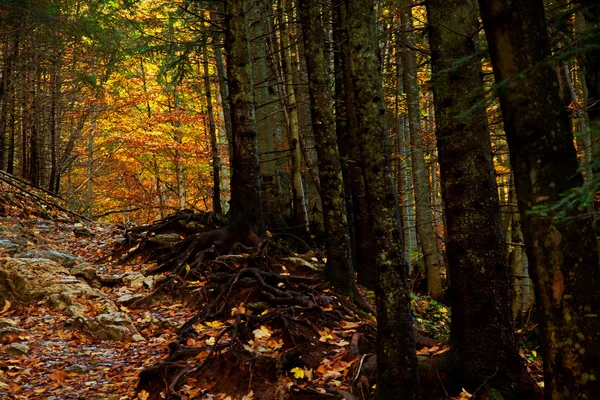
x=64 y=259
x=138 y=338
x=18 y=349
x=24 y=281
x=74 y=310
x=6 y=330
x=8 y=246
x=136 y=280
x=83 y=231
x=128 y=298
x=84 y=270
x=79 y=369
x=165 y=240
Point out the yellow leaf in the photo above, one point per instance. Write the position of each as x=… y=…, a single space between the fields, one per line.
x=263 y=332
x=143 y=395
x=187 y=268
x=214 y=324
x=298 y=373
x=210 y=341
x=325 y=336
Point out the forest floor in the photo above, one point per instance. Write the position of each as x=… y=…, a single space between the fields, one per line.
x=209 y=335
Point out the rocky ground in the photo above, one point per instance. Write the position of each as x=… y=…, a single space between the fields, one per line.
x=64 y=330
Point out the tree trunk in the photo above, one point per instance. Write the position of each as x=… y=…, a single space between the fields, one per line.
x=216 y=161
x=359 y=217
x=397 y=375
x=246 y=202
x=562 y=251
x=223 y=87
x=264 y=109
x=419 y=170
x=482 y=329
x=306 y=132
x=300 y=211
x=179 y=167
x=339 y=263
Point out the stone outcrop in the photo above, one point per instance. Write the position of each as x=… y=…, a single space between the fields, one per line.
x=28 y=280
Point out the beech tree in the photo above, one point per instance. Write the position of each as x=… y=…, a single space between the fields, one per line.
x=562 y=251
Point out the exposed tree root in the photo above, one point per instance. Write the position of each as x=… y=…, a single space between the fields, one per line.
x=261 y=314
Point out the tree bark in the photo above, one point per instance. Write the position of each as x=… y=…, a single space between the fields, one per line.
x=216 y=162
x=300 y=211
x=419 y=170
x=246 y=202
x=562 y=251
x=482 y=327
x=397 y=374
x=359 y=216
x=223 y=87
x=339 y=263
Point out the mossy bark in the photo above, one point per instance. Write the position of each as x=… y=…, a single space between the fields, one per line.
x=246 y=202
x=339 y=263
x=561 y=250
x=482 y=329
x=397 y=374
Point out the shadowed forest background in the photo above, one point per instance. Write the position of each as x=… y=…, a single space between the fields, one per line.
x=329 y=199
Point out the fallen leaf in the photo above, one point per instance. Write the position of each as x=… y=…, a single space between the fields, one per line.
x=261 y=333
x=298 y=372
x=7 y=305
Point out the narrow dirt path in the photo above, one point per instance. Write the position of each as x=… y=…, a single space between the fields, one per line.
x=61 y=362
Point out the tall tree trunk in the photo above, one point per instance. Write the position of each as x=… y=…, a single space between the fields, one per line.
x=223 y=87
x=397 y=375
x=419 y=170
x=246 y=201
x=521 y=293
x=562 y=253
x=179 y=167
x=216 y=161
x=482 y=329
x=405 y=183
x=263 y=110
x=306 y=131
x=360 y=220
x=339 y=263
x=301 y=214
